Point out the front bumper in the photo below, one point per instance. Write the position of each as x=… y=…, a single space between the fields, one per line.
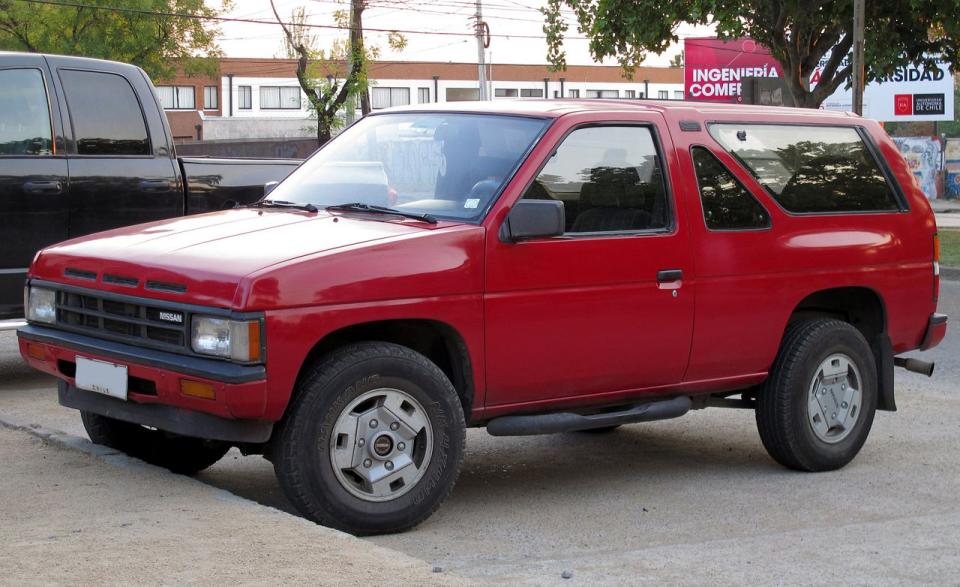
x=154 y=397
x=936 y=330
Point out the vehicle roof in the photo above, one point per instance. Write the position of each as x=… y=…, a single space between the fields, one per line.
x=87 y=62
x=560 y=107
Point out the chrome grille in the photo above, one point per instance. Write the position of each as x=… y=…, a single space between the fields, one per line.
x=125 y=321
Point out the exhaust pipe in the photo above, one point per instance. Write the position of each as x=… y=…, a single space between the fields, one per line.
x=915 y=365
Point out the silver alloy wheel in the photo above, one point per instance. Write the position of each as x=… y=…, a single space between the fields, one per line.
x=381 y=444
x=835 y=398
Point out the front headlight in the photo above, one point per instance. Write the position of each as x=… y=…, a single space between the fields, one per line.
x=221 y=337
x=41 y=305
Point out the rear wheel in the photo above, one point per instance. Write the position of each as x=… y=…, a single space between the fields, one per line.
x=373 y=441
x=816 y=408
x=180 y=454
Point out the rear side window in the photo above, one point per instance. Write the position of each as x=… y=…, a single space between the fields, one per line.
x=727 y=205
x=105 y=113
x=609 y=179
x=810 y=168
x=24 y=113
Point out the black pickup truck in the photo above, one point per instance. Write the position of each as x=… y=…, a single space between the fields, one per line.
x=85 y=147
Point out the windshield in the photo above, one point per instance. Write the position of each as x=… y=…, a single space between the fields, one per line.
x=445 y=165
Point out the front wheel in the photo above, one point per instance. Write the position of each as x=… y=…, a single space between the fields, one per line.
x=816 y=408
x=373 y=440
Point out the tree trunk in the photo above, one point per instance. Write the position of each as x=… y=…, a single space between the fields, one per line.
x=323 y=133
x=357 y=50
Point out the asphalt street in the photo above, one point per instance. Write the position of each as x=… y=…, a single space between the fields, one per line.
x=694 y=500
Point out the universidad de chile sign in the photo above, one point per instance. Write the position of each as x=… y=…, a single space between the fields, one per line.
x=713 y=69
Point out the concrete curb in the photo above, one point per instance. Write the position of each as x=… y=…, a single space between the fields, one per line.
x=352 y=543
x=106 y=454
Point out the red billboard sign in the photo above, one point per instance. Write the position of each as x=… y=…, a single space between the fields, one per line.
x=713 y=68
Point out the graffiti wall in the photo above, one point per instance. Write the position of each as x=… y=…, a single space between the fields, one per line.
x=923 y=156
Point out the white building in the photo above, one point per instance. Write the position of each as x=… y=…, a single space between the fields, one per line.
x=261 y=98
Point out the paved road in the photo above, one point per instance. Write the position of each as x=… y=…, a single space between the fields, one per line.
x=693 y=500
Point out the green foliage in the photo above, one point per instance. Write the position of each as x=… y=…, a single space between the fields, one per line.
x=158 y=44
x=798 y=34
x=319 y=71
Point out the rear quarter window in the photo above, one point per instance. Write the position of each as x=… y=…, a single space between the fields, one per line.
x=810 y=169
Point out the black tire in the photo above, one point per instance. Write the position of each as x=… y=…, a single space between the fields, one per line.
x=180 y=454
x=302 y=456
x=782 y=404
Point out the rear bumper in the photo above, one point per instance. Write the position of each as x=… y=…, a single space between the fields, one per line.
x=154 y=380
x=936 y=330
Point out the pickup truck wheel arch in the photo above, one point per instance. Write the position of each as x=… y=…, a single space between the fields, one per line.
x=442 y=344
x=865 y=310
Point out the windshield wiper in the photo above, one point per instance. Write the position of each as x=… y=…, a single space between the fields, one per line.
x=359 y=207
x=284 y=204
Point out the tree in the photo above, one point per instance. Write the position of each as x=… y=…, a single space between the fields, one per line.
x=798 y=34
x=131 y=31
x=317 y=70
x=677 y=60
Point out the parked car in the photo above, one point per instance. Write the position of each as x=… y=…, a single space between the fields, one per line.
x=84 y=147
x=531 y=267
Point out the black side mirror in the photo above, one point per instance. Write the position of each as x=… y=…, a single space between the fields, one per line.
x=268 y=187
x=533 y=219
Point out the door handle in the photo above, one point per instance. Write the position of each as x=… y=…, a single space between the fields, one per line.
x=667 y=275
x=43 y=187
x=155 y=185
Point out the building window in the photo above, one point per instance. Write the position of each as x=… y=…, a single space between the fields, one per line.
x=244 y=97
x=279 y=98
x=176 y=97
x=573 y=93
x=678 y=94
x=423 y=95
x=210 y=101
x=462 y=94
x=387 y=97
x=505 y=93
x=663 y=95
x=603 y=93
x=630 y=94
x=642 y=95
x=531 y=93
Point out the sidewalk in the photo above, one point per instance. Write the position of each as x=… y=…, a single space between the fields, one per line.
x=947 y=212
x=95 y=517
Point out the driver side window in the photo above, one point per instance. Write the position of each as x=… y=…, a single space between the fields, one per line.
x=609 y=179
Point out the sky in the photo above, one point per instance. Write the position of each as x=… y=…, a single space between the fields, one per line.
x=515 y=27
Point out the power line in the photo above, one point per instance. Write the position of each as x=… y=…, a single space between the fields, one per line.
x=267 y=22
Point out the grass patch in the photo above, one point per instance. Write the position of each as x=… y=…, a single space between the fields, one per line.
x=949 y=247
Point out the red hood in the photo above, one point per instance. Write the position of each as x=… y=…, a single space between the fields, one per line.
x=209 y=254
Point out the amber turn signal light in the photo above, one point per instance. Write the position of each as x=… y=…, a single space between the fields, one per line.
x=197 y=389
x=36 y=352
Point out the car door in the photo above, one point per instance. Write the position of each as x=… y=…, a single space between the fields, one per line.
x=33 y=173
x=604 y=308
x=122 y=169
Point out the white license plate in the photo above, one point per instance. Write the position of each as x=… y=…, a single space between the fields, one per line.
x=102 y=377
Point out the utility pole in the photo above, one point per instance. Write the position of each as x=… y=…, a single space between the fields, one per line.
x=858 y=66
x=483 y=41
